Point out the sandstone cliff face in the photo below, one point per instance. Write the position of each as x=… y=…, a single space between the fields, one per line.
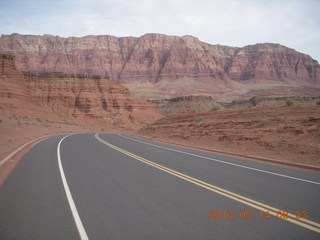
x=13 y=94
x=89 y=99
x=174 y=65
x=273 y=62
x=152 y=56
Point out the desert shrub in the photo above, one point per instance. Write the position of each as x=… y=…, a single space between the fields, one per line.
x=289 y=102
x=0 y=120
x=199 y=119
x=306 y=119
x=262 y=122
x=205 y=132
x=162 y=121
x=215 y=108
x=243 y=110
x=146 y=125
x=238 y=131
x=318 y=103
x=199 y=124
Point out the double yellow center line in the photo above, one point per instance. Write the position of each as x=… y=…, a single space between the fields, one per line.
x=247 y=201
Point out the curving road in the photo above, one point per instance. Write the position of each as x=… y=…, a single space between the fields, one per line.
x=90 y=186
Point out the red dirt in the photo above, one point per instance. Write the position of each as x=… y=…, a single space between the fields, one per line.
x=17 y=130
x=285 y=133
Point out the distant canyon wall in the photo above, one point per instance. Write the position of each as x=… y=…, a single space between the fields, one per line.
x=163 y=61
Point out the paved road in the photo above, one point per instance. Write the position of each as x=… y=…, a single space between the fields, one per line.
x=88 y=186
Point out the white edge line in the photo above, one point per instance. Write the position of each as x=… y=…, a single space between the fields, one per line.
x=216 y=160
x=3 y=161
x=75 y=214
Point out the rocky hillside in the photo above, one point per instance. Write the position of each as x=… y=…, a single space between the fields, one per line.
x=159 y=66
x=186 y=104
x=82 y=97
x=287 y=133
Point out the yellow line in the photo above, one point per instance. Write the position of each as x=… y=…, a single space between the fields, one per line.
x=247 y=201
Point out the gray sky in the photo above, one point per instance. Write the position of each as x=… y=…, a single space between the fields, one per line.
x=293 y=23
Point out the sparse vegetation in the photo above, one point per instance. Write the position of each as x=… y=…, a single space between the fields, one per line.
x=306 y=119
x=199 y=119
x=238 y=130
x=318 y=102
x=262 y=122
x=162 y=121
x=215 y=108
x=0 y=120
x=243 y=110
x=289 y=102
x=146 y=125
x=199 y=124
x=278 y=130
x=205 y=132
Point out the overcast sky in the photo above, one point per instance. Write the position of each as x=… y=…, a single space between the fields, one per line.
x=293 y=23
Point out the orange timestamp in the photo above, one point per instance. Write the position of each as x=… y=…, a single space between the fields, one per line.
x=260 y=215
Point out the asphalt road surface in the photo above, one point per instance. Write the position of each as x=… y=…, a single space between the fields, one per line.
x=89 y=186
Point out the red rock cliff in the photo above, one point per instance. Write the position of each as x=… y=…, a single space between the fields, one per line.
x=168 y=63
x=70 y=96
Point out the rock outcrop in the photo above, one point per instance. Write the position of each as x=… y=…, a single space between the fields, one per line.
x=186 y=104
x=82 y=97
x=13 y=92
x=273 y=63
x=166 y=65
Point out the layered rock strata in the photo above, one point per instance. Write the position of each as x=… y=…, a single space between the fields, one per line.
x=88 y=98
x=167 y=65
